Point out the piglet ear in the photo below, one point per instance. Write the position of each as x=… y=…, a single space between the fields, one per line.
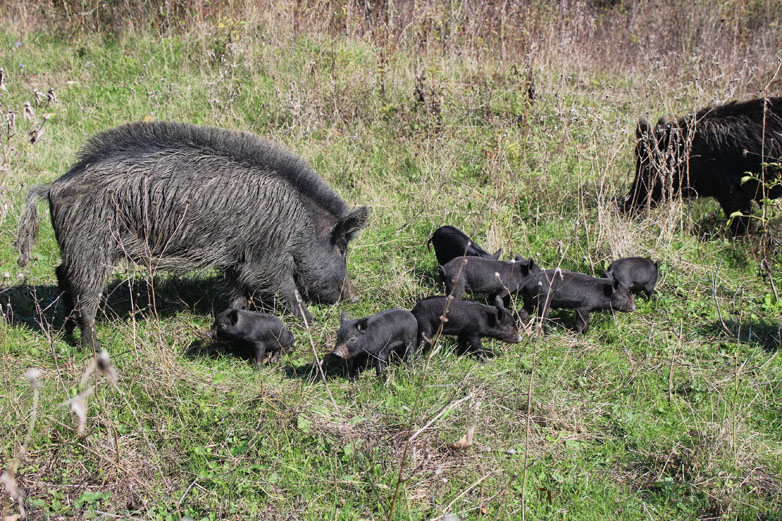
x=615 y=285
x=610 y=290
x=500 y=305
x=362 y=325
x=497 y=254
x=350 y=224
x=233 y=316
x=343 y=317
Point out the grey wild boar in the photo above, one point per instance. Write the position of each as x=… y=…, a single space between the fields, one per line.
x=560 y=289
x=450 y=242
x=178 y=197
x=482 y=275
x=637 y=273
x=261 y=332
x=468 y=320
x=372 y=339
x=707 y=154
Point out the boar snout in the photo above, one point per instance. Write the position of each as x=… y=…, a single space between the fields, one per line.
x=347 y=293
x=341 y=351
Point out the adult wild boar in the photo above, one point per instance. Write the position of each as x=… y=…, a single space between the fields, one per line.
x=177 y=197
x=707 y=155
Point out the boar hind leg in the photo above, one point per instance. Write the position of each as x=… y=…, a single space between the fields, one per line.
x=739 y=225
x=456 y=288
x=582 y=321
x=471 y=343
x=83 y=288
x=66 y=295
x=424 y=335
x=410 y=347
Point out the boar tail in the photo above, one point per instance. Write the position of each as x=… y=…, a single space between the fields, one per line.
x=441 y=273
x=28 y=225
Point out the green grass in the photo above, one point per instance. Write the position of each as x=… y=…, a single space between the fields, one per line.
x=670 y=412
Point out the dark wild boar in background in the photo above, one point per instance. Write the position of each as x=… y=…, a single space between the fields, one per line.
x=466 y=319
x=707 y=155
x=450 y=242
x=262 y=332
x=560 y=289
x=637 y=273
x=372 y=339
x=177 y=197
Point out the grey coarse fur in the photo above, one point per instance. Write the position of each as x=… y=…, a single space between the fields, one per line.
x=178 y=197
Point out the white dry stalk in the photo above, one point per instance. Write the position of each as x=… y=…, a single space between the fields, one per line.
x=78 y=406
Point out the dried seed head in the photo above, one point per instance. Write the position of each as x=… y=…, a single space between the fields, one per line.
x=38 y=96
x=8 y=479
x=29 y=115
x=105 y=367
x=35 y=135
x=33 y=376
x=51 y=97
x=78 y=406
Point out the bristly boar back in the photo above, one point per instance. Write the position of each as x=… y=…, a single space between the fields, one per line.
x=707 y=154
x=178 y=197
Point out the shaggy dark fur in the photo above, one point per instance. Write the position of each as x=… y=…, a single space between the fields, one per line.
x=707 y=155
x=177 y=197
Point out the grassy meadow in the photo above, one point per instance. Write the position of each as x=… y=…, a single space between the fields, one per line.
x=513 y=121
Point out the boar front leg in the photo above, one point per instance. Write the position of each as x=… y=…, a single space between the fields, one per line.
x=294 y=301
x=381 y=362
x=237 y=298
x=260 y=353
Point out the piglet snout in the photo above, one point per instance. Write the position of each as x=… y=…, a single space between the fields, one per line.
x=340 y=352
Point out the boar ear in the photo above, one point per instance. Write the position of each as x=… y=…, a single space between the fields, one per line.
x=233 y=316
x=610 y=290
x=500 y=305
x=350 y=224
x=615 y=284
x=362 y=325
x=642 y=128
